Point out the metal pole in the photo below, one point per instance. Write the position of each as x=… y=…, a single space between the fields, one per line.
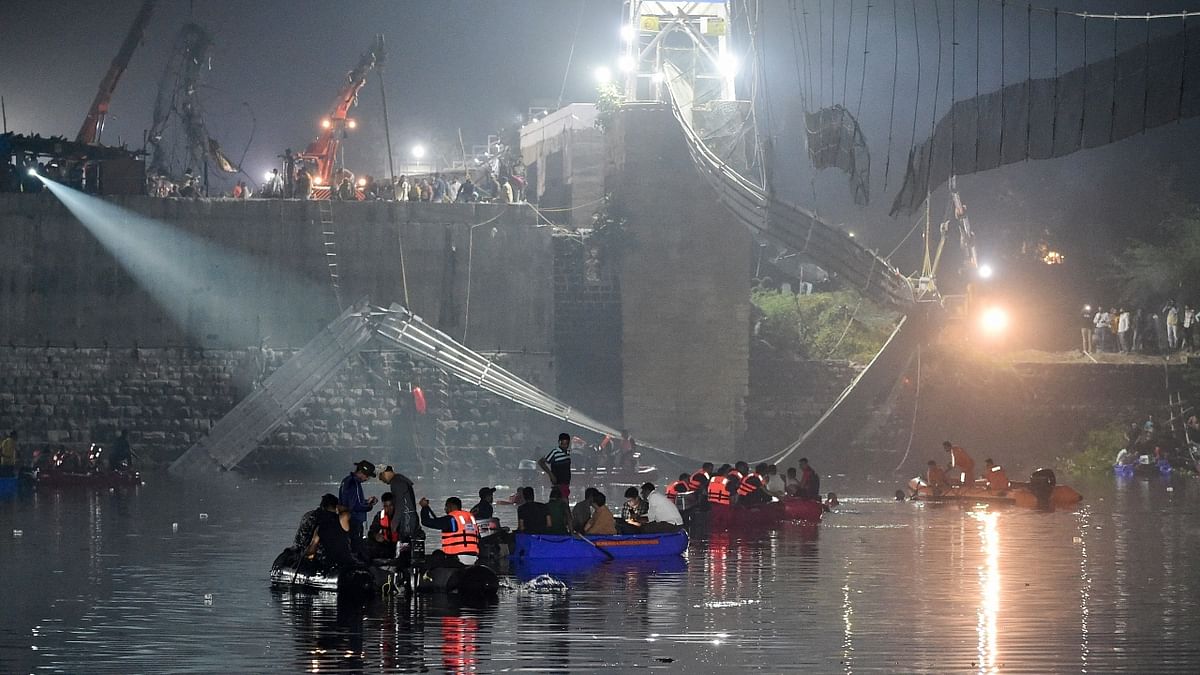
x=4 y=114
x=387 y=127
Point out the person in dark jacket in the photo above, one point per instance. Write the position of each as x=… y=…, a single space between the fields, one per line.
x=350 y=495
x=310 y=521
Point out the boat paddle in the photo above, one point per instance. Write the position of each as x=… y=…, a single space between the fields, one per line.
x=591 y=543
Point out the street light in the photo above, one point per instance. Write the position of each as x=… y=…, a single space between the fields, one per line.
x=351 y=123
x=603 y=74
x=418 y=151
x=728 y=65
x=986 y=271
x=627 y=33
x=993 y=321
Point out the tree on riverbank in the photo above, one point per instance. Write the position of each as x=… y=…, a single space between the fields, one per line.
x=1166 y=266
x=838 y=325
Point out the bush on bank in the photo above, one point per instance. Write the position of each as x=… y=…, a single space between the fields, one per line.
x=837 y=325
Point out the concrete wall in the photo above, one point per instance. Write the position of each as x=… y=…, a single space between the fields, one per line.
x=565 y=156
x=60 y=285
x=685 y=288
x=169 y=398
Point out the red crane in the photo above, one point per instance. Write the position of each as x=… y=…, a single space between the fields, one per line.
x=321 y=153
x=93 y=124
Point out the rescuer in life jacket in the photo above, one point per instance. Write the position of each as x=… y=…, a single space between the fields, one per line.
x=752 y=489
x=382 y=535
x=962 y=467
x=699 y=480
x=460 y=535
x=681 y=485
x=718 y=490
x=996 y=476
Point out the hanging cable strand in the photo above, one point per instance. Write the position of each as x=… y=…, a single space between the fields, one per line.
x=953 y=84
x=821 y=53
x=1028 y=77
x=1183 y=67
x=1054 y=118
x=1003 y=75
x=1112 y=115
x=887 y=165
x=916 y=94
x=937 y=84
x=978 y=50
x=846 y=64
x=1086 y=83
x=862 y=83
x=1116 y=16
x=1146 y=77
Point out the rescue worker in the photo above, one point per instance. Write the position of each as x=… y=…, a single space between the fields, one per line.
x=961 y=464
x=995 y=475
x=718 y=487
x=810 y=481
x=935 y=478
x=460 y=536
x=681 y=485
x=382 y=535
x=753 y=487
x=699 y=480
x=350 y=495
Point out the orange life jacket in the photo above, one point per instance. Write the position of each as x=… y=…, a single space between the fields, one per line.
x=464 y=540
x=678 y=486
x=746 y=487
x=997 y=478
x=718 y=491
x=734 y=474
x=695 y=481
x=385 y=526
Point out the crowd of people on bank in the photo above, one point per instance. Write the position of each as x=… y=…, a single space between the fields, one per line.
x=1123 y=330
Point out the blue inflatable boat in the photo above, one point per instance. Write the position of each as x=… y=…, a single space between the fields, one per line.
x=535 y=546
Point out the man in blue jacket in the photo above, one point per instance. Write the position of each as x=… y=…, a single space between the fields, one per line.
x=350 y=495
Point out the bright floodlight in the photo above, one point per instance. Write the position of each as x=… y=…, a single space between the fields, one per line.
x=268 y=175
x=985 y=271
x=627 y=33
x=362 y=182
x=728 y=65
x=418 y=151
x=351 y=123
x=626 y=63
x=603 y=74
x=993 y=321
x=33 y=172
x=325 y=123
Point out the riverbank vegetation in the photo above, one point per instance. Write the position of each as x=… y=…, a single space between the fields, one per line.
x=836 y=325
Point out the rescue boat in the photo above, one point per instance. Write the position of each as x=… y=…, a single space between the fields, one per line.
x=741 y=516
x=806 y=510
x=54 y=478
x=1042 y=491
x=594 y=547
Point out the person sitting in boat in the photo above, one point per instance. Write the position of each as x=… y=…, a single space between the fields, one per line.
x=309 y=521
x=718 y=491
x=753 y=488
x=935 y=479
x=772 y=482
x=483 y=510
x=661 y=513
x=810 y=481
x=739 y=471
x=460 y=536
x=382 y=535
x=559 y=513
x=581 y=513
x=962 y=467
x=633 y=510
x=532 y=515
x=557 y=464
x=602 y=521
x=791 y=484
x=995 y=476
x=698 y=481
x=678 y=487
x=331 y=545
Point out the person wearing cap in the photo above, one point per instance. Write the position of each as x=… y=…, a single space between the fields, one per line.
x=350 y=495
x=483 y=510
x=557 y=465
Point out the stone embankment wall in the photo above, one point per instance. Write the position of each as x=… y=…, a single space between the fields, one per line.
x=256 y=270
x=168 y=398
x=787 y=397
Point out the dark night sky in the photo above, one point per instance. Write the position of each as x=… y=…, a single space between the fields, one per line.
x=451 y=64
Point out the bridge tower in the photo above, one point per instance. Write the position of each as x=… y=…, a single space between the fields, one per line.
x=694 y=37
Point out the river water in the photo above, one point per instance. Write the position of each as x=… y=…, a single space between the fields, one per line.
x=101 y=582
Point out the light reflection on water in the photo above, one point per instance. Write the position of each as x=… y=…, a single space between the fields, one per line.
x=99 y=583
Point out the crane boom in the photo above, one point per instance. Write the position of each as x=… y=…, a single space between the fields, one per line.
x=93 y=124
x=322 y=151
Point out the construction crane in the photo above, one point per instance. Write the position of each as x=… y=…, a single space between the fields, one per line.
x=93 y=124
x=319 y=156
